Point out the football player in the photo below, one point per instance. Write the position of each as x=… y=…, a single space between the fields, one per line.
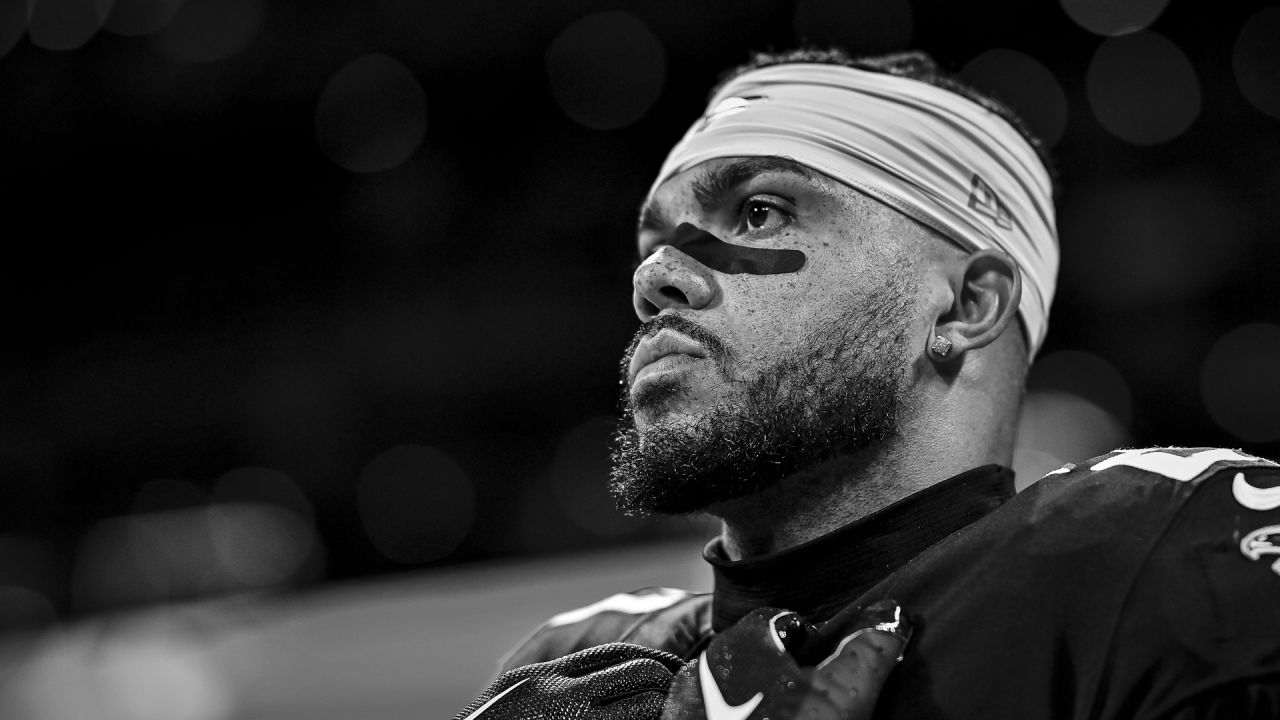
x=847 y=267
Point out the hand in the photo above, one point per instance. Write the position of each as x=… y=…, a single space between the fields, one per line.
x=617 y=681
x=773 y=664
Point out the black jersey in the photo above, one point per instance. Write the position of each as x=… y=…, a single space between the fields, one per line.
x=1140 y=584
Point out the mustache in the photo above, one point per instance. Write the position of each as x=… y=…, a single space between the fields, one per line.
x=716 y=350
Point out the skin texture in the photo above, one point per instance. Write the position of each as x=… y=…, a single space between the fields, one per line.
x=951 y=414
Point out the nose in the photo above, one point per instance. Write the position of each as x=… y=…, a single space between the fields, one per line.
x=670 y=279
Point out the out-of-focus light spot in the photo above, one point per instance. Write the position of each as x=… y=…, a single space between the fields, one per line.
x=262 y=525
x=30 y=569
x=167 y=494
x=172 y=550
x=209 y=30
x=1142 y=88
x=863 y=25
x=1256 y=60
x=1025 y=85
x=580 y=479
x=1057 y=428
x=64 y=24
x=1029 y=465
x=262 y=485
x=1237 y=382
x=190 y=552
x=106 y=572
x=117 y=678
x=22 y=607
x=1154 y=240
x=606 y=69
x=134 y=18
x=372 y=115
x=13 y=25
x=1087 y=376
x=1114 y=17
x=416 y=503
x=259 y=544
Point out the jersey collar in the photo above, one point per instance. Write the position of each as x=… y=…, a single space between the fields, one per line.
x=822 y=576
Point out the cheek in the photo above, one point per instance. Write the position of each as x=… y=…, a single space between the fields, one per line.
x=770 y=316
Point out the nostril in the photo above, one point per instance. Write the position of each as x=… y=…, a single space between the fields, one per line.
x=648 y=309
x=673 y=293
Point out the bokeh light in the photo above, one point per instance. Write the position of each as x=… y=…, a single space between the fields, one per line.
x=1059 y=427
x=134 y=18
x=125 y=677
x=259 y=544
x=31 y=572
x=865 y=26
x=1085 y=375
x=580 y=479
x=1078 y=406
x=210 y=30
x=262 y=526
x=606 y=69
x=1256 y=60
x=1237 y=382
x=372 y=115
x=416 y=503
x=1142 y=88
x=142 y=558
x=262 y=485
x=1114 y=17
x=1152 y=239
x=255 y=531
x=167 y=494
x=1025 y=85
x=13 y=25
x=64 y=24
x=23 y=607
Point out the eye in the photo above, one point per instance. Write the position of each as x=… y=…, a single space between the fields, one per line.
x=762 y=215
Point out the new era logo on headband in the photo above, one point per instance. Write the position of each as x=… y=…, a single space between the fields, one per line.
x=727 y=107
x=983 y=200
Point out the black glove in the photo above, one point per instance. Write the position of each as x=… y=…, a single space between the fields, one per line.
x=773 y=664
x=617 y=681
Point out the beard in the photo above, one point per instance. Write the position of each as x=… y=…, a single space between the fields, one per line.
x=841 y=391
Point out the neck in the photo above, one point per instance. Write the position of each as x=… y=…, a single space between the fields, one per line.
x=804 y=506
x=812 y=503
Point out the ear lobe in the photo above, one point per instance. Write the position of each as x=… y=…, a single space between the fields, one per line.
x=990 y=288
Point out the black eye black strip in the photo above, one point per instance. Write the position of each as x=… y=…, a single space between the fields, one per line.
x=734 y=259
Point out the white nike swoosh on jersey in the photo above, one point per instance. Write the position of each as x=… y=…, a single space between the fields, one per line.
x=476 y=713
x=1255 y=498
x=717 y=707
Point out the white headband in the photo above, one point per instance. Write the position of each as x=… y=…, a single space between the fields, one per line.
x=934 y=155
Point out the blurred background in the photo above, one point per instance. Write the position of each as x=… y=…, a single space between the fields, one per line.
x=313 y=311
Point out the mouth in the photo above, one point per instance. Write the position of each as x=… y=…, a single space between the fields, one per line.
x=663 y=344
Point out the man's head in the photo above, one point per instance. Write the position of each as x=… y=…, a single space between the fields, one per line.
x=789 y=300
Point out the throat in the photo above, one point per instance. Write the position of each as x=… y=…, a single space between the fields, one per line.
x=806 y=506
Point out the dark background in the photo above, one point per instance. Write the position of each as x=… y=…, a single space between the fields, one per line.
x=301 y=293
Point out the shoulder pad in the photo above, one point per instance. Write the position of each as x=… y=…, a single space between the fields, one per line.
x=1187 y=465
x=661 y=618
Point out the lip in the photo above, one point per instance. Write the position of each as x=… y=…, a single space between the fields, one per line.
x=662 y=344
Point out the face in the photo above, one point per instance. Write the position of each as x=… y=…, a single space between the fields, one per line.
x=779 y=311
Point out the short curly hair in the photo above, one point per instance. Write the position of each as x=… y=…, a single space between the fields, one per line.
x=914 y=64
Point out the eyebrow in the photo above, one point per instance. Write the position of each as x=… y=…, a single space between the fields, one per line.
x=712 y=185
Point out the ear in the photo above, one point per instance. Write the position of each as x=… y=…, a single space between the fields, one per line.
x=987 y=289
